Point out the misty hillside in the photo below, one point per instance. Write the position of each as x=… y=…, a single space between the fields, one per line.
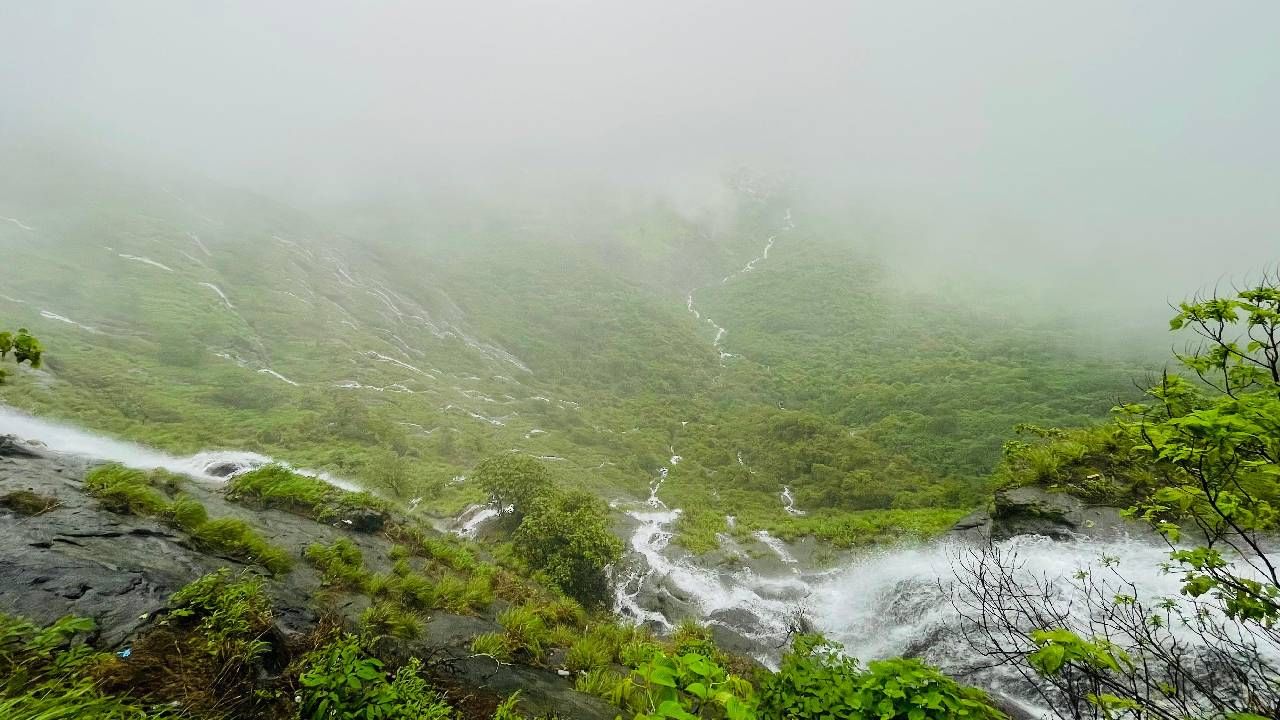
x=605 y=341
x=639 y=361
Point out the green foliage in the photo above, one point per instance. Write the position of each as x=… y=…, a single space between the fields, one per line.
x=188 y=513
x=816 y=680
x=1060 y=647
x=689 y=686
x=231 y=615
x=341 y=564
x=525 y=632
x=341 y=682
x=24 y=347
x=587 y=653
x=384 y=619
x=513 y=482
x=567 y=537
x=493 y=645
x=506 y=709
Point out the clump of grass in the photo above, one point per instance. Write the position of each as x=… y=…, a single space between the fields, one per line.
x=588 y=653
x=232 y=613
x=477 y=592
x=188 y=513
x=341 y=564
x=125 y=490
x=386 y=619
x=526 y=633
x=608 y=684
x=493 y=645
x=277 y=487
x=238 y=539
x=28 y=503
x=45 y=674
x=208 y=654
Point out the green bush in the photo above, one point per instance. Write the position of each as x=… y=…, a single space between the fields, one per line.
x=513 y=482
x=567 y=537
x=341 y=682
x=817 y=681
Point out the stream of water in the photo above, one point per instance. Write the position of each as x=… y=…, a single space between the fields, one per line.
x=213 y=465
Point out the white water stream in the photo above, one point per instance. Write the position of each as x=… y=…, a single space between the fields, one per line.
x=214 y=465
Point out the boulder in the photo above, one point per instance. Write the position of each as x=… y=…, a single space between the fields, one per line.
x=1058 y=515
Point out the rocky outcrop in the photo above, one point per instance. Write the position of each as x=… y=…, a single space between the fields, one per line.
x=1037 y=511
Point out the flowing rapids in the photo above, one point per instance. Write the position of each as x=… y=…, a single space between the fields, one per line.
x=216 y=465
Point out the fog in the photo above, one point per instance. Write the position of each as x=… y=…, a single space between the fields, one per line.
x=1089 y=146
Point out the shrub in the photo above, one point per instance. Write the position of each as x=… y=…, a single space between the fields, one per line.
x=691 y=686
x=513 y=482
x=341 y=682
x=817 y=681
x=567 y=538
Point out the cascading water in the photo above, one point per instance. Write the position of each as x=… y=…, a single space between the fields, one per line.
x=215 y=465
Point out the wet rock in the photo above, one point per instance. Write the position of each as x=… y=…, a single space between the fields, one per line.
x=543 y=693
x=12 y=446
x=975 y=526
x=365 y=520
x=225 y=469
x=1058 y=515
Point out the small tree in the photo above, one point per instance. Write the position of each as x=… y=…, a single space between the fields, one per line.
x=24 y=347
x=1211 y=652
x=513 y=482
x=567 y=537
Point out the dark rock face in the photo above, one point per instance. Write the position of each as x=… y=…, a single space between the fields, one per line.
x=1036 y=511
